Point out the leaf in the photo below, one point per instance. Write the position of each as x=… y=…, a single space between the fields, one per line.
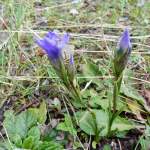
x=122 y=124
x=24 y=121
x=3 y=58
x=104 y=103
x=132 y=93
x=102 y=99
x=107 y=147
x=9 y=123
x=34 y=132
x=17 y=140
x=7 y=145
x=144 y=141
x=135 y=108
x=19 y=124
x=50 y=146
x=91 y=69
x=28 y=142
x=86 y=122
x=42 y=113
x=145 y=144
x=39 y=113
x=147 y=131
x=51 y=72
x=67 y=125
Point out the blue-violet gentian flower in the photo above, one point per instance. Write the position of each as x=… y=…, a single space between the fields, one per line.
x=124 y=45
x=53 y=44
x=122 y=53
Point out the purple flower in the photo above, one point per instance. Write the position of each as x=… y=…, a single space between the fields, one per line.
x=122 y=53
x=124 y=44
x=53 y=44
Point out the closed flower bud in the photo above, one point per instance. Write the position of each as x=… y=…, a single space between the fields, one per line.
x=122 y=53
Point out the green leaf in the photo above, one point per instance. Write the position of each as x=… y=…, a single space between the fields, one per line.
x=24 y=121
x=34 y=132
x=67 y=125
x=17 y=140
x=51 y=72
x=122 y=124
x=9 y=123
x=28 y=142
x=7 y=145
x=39 y=113
x=104 y=103
x=3 y=58
x=107 y=147
x=132 y=93
x=86 y=122
x=42 y=113
x=50 y=146
x=94 y=144
x=91 y=69
x=145 y=144
x=18 y=125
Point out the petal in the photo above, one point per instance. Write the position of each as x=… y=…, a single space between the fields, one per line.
x=53 y=44
x=125 y=40
x=42 y=44
x=50 y=41
x=52 y=51
x=65 y=38
x=52 y=35
x=64 y=41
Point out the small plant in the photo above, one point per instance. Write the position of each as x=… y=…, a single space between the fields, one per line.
x=66 y=89
x=54 y=46
x=121 y=55
x=23 y=130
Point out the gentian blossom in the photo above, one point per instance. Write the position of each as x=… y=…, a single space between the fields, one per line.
x=122 y=53
x=124 y=44
x=53 y=45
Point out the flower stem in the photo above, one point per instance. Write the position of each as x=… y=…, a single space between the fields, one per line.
x=116 y=91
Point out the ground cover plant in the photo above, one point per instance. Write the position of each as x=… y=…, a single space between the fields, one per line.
x=75 y=74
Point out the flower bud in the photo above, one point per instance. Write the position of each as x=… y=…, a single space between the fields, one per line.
x=122 y=53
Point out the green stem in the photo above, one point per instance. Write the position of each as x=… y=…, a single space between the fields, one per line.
x=115 y=97
x=95 y=127
x=110 y=122
x=73 y=91
x=116 y=91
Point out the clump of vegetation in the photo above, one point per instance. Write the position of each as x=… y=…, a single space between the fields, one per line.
x=87 y=88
